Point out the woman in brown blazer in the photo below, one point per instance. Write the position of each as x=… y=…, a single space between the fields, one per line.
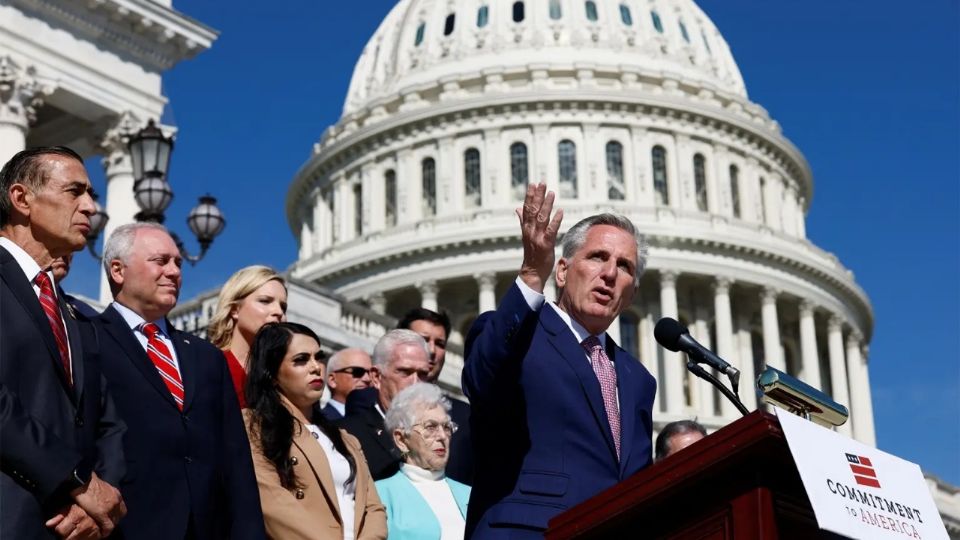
x=313 y=479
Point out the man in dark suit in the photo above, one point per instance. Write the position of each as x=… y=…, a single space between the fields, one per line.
x=61 y=451
x=399 y=359
x=347 y=370
x=559 y=411
x=190 y=474
x=61 y=269
x=434 y=328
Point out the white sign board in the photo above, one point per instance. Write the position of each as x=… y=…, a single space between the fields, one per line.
x=858 y=491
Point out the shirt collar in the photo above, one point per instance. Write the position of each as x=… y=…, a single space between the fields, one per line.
x=134 y=320
x=27 y=264
x=578 y=330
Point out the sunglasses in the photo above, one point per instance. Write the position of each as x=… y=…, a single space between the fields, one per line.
x=355 y=371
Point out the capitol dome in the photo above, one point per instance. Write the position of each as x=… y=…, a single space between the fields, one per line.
x=630 y=106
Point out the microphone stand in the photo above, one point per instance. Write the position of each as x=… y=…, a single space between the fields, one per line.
x=697 y=370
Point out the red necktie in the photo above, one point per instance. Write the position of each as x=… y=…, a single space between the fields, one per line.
x=607 y=376
x=160 y=356
x=48 y=301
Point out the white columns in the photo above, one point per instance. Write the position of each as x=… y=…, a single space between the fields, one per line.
x=748 y=376
x=838 y=370
x=725 y=344
x=21 y=94
x=810 y=361
x=649 y=353
x=118 y=170
x=487 y=283
x=862 y=406
x=772 y=352
x=428 y=295
x=702 y=389
x=673 y=369
x=673 y=173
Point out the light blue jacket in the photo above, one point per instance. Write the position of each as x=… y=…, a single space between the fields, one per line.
x=409 y=517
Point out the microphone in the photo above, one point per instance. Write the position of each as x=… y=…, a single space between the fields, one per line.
x=675 y=337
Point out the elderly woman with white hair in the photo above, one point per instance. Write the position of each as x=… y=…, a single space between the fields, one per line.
x=421 y=502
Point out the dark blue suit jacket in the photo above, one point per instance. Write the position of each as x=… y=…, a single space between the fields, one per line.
x=540 y=432
x=186 y=471
x=47 y=426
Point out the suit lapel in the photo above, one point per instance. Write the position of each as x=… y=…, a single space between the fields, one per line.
x=22 y=290
x=76 y=346
x=187 y=363
x=571 y=351
x=117 y=327
x=623 y=364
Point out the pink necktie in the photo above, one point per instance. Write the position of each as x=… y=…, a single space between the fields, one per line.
x=608 y=385
x=160 y=356
x=49 y=304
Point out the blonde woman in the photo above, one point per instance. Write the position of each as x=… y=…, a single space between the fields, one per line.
x=252 y=297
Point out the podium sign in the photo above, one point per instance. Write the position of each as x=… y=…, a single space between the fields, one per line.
x=858 y=491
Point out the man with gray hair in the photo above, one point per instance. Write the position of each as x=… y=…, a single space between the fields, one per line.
x=190 y=474
x=549 y=375
x=400 y=358
x=347 y=370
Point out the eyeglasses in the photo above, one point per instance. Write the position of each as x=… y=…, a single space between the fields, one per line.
x=355 y=371
x=432 y=428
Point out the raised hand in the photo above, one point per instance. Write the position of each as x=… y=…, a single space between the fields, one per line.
x=538 y=234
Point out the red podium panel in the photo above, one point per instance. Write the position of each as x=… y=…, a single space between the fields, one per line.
x=738 y=483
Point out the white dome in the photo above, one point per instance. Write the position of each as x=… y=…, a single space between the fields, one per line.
x=422 y=42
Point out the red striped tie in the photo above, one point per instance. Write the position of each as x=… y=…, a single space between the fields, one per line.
x=160 y=356
x=49 y=304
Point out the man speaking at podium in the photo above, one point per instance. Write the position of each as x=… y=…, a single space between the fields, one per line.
x=559 y=411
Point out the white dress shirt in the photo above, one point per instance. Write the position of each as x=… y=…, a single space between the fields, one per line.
x=134 y=320
x=340 y=470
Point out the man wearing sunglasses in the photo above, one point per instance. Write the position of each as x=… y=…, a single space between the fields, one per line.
x=347 y=370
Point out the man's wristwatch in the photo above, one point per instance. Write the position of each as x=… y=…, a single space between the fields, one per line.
x=81 y=475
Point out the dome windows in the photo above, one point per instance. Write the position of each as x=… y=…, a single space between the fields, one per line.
x=518 y=13
x=390 y=198
x=567 y=160
x=735 y=190
x=449 y=23
x=616 y=190
x=657 y=24
x=683 y=32
x=591 y=8
x=519 y=173
x=471 y=172
x=418 y=38
x=659 y=158
x=483 y=16
x=357 y=209
x=555 y=10
x=625 y=15
x=700 y=181
x=428 y=178
x=706 y=42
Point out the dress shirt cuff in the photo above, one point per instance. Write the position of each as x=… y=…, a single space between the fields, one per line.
x=534 y=299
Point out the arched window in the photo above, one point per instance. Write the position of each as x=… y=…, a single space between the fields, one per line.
x=683 y=32
x=735 y=190
x=706 y=42
x=630 y=333
x=419 y=37
x=483 y=16
x=555 y=10
x=567 y=158
x=763 y=200
x=591 y=8
x=655 y=17
x=616 y=190
x=518 y=12
x=471 y=172
x=519 y=176
x=449 y=23
x=428 y=174
x=357 y=209
x=625 y=15
x=700 y=181
x=659 y=155
x=390 y=197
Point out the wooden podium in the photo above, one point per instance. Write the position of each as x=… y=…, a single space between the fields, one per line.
x=738 y=483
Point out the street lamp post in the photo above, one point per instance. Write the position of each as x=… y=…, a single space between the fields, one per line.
x=150 y=156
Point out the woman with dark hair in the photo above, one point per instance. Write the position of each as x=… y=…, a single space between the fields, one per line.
x=313 y=479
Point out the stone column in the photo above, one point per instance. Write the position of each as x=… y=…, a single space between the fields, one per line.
x=638 y=179
x=21 y=94
x=773 y=355
x=862 y=406
x=801 y=217
x=838 y=370
x=487 y=283
x=674 y=185
x=810 y=361
x=725 y=346
x=702 y=389
x=428 y=295
x=715 y=178
x=748 y=376
x=649 y=352
x=673 y=367
x=120 y=204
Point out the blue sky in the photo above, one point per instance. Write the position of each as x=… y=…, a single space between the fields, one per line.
x=867 y=91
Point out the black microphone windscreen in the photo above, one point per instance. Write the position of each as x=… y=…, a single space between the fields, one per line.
x=668 y=332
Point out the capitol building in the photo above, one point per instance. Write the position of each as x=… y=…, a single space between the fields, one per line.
x=629 y=106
